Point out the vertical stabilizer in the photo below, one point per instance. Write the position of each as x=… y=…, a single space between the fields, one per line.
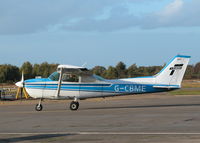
x=172 y=73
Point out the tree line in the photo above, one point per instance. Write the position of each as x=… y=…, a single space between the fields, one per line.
x=10 y=73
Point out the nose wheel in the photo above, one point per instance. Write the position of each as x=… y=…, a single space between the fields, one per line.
x=39 y=106
x=74 y=105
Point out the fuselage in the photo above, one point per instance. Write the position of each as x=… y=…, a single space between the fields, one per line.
x=47 y=88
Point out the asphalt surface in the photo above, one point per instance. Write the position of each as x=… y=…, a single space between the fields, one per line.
x=142 y=118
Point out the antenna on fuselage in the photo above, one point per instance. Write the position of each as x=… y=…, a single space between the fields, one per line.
x=84 y=65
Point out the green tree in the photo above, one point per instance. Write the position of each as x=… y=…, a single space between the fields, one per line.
x=189 y=72
x=53 y=68
x=132 y=71
x=197 y=70
x=111 y=73
x=2 y=74
x=9 y=74
x=99 y=70
x=27 y=69
x=46 y=69
x=142 y=71
x=121 y=70
x=152 y=70
x=36 y=70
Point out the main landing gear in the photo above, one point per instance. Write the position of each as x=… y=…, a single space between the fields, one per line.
x=73 y=105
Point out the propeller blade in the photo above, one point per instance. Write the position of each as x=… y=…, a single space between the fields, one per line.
x=21 y=83
x=22 y=79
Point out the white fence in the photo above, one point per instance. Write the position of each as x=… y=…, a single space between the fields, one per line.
x=8 y=93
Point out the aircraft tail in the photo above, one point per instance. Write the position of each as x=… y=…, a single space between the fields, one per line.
x=172 y=74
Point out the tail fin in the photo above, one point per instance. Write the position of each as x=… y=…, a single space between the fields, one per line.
x=172 y=73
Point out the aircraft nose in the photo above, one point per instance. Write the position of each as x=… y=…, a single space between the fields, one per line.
x=19 y=84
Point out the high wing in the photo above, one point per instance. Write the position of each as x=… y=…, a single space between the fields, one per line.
x=71 y=69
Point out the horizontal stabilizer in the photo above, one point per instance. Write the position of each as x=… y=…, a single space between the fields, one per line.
x=166 y=86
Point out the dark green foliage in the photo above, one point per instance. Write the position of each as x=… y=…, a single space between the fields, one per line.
x=193 y=72
x=121 y=70
x=44 y=69
x=189 y=72
x=111 y=73
x=27 y=69
x=99 y=70
x=132 y=71
x=11 y=74
x=36 y=70
x=152 y=70
x=197 y=70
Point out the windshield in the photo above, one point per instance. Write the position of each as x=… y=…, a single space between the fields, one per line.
x=98 y=77
x=54 y=76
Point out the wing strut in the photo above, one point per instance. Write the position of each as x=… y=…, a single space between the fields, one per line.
x=59 y=83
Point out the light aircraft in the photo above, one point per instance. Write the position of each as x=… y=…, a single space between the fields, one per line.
x=78 y=83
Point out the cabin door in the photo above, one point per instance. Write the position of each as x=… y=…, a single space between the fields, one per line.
x=69 y=87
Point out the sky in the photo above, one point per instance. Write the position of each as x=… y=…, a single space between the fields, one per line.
x=99 y=32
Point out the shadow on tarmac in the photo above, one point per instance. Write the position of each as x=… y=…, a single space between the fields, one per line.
x=146 y=106
x=32 y=138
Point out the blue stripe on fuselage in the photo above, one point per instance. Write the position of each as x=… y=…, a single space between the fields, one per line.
x=111 y=88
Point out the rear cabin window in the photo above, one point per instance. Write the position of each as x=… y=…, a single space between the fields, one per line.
x=88 y=79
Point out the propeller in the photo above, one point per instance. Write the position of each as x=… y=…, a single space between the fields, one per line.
x=21 y=83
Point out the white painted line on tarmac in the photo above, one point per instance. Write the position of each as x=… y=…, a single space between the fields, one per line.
x=103 y=133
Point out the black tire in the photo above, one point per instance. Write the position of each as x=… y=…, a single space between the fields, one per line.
x=77 y=103
x=74 y=105
x=38 y=107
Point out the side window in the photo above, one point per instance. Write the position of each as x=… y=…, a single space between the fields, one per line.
x=69 y=78
x=88 y=79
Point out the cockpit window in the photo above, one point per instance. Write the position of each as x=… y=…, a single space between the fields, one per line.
x=54 y=76
x=70 y=78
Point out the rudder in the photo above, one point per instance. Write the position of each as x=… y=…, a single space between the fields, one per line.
x=172 y=73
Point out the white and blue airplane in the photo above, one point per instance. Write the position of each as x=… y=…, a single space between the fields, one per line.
x=77 y=83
